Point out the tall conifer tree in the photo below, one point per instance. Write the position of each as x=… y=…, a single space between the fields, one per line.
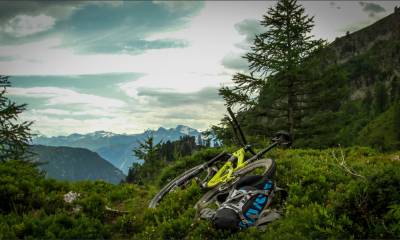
x=274 y=63
x=14 y=134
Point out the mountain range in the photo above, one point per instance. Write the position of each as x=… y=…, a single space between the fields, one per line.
x=116 y=148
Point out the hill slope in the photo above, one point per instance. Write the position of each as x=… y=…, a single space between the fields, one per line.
x=357 y=78
x=325 y=201
x=75 y=164
x=382 y=132
x=371 y=54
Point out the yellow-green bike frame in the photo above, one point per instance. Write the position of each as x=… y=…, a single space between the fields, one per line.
x=224 y=174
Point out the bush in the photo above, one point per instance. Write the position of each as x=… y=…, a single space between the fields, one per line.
x=347 y=193
x=19 y=190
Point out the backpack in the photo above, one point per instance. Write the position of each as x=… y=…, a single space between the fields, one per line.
x=245 y=203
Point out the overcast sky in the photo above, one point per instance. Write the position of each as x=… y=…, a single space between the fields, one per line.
x=128 y=66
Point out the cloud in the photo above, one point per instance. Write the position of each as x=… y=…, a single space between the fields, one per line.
x=136 y=46
x=372 y=8
x=249 y=28
x=70 y=124
x=125 y=28
x=235 y=61
x=168 y=98
x=32 y=18
x=359 y=25
x=82 y=113
x=175 y=81
x=173 y=87
x=7 y=58
x=96 y=27
x=59 y=96
x=174 y=6
x=167 y=108
x=55 y=9
x=104 y=84
x=333 y=4
x=199 y=116
x=23 y=25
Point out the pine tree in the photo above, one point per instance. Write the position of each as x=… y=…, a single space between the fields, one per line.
x=156 y=156
x=149 y=152
x=397 y=121
x=381 y=98
x=14 y=135
x=395 y=90
x=319 y=120
x=185 y=146
x=367 y=101
x=274 y=64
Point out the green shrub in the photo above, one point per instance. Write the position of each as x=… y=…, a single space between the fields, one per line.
x=93 y=206
x=350 y=193
x=19 y=190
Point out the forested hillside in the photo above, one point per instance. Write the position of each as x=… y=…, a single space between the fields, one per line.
x=75 y=164
x=341 y=88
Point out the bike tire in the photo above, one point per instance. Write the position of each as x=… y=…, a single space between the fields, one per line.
x=210 y=196
x=184 y=177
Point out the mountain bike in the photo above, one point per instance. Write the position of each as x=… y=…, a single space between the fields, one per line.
x=220 y=178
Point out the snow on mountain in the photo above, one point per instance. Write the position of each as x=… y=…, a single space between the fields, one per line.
x=100 y=134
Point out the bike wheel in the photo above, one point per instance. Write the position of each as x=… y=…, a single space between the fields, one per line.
x=181 y=179
x=265 y=167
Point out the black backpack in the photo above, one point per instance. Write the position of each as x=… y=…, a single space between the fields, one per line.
x=245 y=203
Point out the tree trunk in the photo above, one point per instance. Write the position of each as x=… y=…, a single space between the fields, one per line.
x=291 y=102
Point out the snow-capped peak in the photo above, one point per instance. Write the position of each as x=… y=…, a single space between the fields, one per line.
x=185 y=129
x=101 y=134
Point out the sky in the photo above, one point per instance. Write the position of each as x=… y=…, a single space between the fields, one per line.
x=123 y=67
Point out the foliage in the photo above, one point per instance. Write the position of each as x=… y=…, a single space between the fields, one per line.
x=350 y=193
x=381 y=98
x=342 y=87
x=334 y=193
x=383 y=132
x=147 y=150
x=74 y=164
x=275 y=63
x=157 y=156
x=319 y=121
x=170 y=172
x=18 y=184
x=395 y=89
x=14 y=136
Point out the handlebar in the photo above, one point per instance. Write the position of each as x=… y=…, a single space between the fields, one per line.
x=238 y=132
x=282 y=138
x=237 y=128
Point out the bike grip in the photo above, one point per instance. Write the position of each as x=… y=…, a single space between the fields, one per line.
x=242 y=139
x=284 y=138
x=230 y=112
